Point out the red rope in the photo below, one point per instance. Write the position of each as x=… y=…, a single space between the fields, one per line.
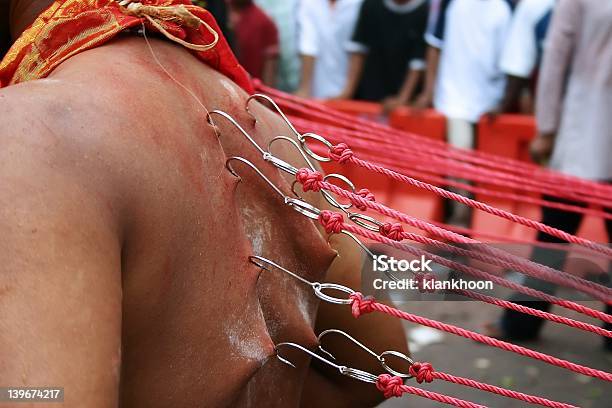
x=336 y=220
x=361 y=305
x=480 y=168
x=394 y=387
x=312 y=181
x=424 y=372
x=334 y=223
x=383 y=134
x=423 y=165
x=342 y=154
x=568 y=183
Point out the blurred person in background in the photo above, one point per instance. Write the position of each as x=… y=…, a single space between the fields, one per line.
x=574 y=97
x=387 y=51
x=256 y=40
x=466 y=39
x=5 y=35
x=325 y=29
x=284 y=13
x=218 y=8
x=523 y=52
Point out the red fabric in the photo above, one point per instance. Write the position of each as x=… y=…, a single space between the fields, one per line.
x=68 y=27
x=256 y=38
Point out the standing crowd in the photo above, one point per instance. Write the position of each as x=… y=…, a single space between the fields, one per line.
x=468 y=59
x=465 y=58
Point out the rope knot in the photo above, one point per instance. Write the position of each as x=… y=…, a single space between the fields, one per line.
x=176 y=13
x=361 y=304
x=340 y=153
x=392 y=231
x=331 y=221
x=179 y=14
x=366 y=195
x=423 y=372
x=310 y=180
x=390 y=386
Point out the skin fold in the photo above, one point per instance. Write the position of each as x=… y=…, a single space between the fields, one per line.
x=125 y=243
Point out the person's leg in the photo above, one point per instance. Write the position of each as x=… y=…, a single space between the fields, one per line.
x=608 y=326
x=461 y=134
x=520 y=326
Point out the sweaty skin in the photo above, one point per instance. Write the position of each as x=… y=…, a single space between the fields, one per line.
x=125 y=242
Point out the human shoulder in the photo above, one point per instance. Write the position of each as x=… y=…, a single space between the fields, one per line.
x=38 y=111
x=44 y=131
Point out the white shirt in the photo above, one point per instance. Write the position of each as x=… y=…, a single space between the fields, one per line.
x=521 y=51
x=325 y=30
x=574 y=97
x=470 y=82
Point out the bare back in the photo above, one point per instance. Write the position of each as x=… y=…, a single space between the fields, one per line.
x=145 y=237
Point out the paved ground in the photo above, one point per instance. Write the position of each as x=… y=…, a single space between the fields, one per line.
x=462 y=357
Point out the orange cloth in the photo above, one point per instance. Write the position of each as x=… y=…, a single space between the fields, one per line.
x=68 y=27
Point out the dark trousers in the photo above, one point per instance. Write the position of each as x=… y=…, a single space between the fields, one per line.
x=520 y=326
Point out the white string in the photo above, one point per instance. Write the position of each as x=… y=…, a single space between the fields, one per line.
x=193 y=95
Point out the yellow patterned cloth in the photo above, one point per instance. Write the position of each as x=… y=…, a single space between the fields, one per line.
x=68 y=27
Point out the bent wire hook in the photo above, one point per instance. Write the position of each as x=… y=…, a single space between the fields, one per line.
x=344 y=370
x=380 y=357
x=297 y=204
x=285 y=166
x=362 y=220
x=317 y=287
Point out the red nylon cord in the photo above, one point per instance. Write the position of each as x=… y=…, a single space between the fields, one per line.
x=501 y=391
x=420 y=163
x=394 y=387
x=569 y=183
x=394 y=156
x=477 y=273
x=480 y=206
x=349 y=122
x=313 y=181
x=483 y=275
x=424 y=372
x=362 y=305
x=589 y=191
x=433 y=162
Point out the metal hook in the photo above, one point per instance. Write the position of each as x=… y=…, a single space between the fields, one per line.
x=365 y=221
x=266 y=155
x=252 y=166
x=276 y=107
x=293 y=170
x=305 y=151
x=298 y=205
x=296 y=145
x=301 y=137
x=317 y=287
x=379 y=357
x=354 y=373
x=237 y=125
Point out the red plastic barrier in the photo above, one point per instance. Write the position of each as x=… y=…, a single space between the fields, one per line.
x=416 y=202
x=510 y=136
x=428 y=123
x=367 y=110
x=507 y=135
